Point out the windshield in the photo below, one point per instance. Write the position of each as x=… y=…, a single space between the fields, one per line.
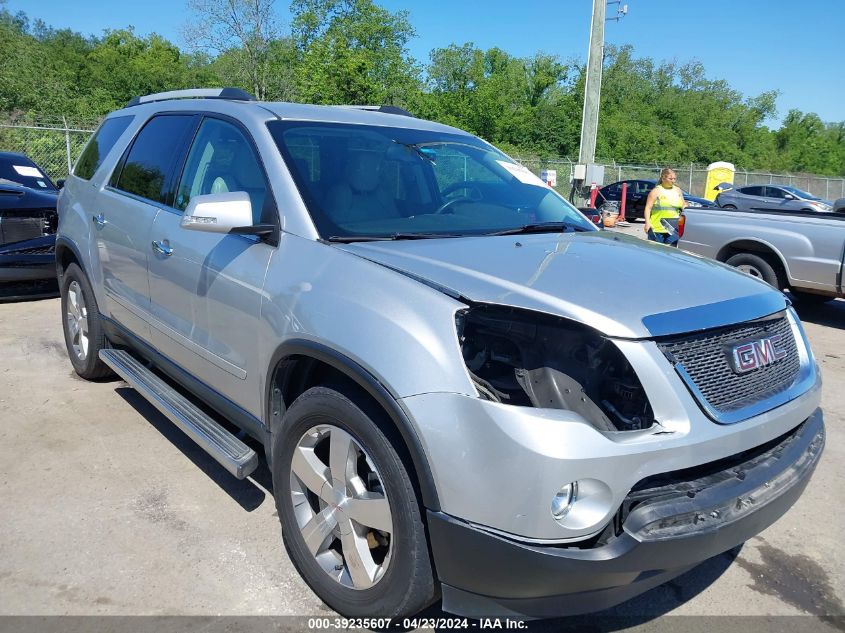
x=23 y=171
x=371 y=182
x=800 y=193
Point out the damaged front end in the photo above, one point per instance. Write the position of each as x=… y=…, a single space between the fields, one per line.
x=528 y=359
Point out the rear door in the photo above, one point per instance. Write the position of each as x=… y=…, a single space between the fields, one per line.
x=124 y=215
x=611 y=193
x=206 y=288
x=638 y=191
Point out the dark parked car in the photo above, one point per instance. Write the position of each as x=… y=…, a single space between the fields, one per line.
x=27 y=227
x=636 y=195
x=777 y=197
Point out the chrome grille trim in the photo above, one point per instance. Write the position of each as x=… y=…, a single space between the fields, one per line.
x=728 y=398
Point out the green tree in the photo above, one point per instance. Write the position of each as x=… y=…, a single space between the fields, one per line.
x=243 y=33
x=123 y=66
x=353 y=51
x=808 y=145
x=522 y=104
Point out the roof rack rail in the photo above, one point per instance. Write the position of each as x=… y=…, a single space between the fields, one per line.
x=387 y=109
x=236 y=94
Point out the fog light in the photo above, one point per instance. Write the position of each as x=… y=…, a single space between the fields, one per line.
x=563 y=500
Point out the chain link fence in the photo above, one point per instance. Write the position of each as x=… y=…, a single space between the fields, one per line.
x=55 y=144
x=691 y=177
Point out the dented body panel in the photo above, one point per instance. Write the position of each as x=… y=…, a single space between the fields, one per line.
x=617 y=284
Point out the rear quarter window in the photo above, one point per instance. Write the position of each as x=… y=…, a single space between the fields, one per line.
x=99 y=146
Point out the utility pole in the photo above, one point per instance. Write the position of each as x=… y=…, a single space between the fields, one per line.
x=592 y=87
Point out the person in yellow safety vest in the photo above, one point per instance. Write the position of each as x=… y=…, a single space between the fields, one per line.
x=665 y=201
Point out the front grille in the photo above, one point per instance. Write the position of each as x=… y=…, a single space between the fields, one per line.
x=705 y=358
x=36 y=250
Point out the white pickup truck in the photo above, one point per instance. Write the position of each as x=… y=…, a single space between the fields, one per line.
x=802 y=251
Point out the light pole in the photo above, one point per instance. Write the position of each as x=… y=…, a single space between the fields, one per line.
x=592 y=88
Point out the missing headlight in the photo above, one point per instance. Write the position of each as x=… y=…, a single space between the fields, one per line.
x=528 y=359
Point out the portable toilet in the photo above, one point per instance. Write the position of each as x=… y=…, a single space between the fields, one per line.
x=717 y=173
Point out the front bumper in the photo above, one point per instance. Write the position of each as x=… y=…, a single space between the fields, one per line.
x=676 y=522
x=30 y=260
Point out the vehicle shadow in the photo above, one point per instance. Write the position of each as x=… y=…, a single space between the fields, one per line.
x=831 y=314
x=248 y=493
x=634 y=612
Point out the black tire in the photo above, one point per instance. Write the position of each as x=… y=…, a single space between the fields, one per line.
x=809 y=298
x=407 y=583
x=85 y=359
x=729 y=206
x=758 y=266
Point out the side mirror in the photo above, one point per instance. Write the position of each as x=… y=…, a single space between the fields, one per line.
x=789 y=196
x=229 y=212
x=218 y=212
x=60 y=183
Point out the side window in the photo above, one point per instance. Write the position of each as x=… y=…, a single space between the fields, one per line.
x=148 y=167
x=96 y=150
x=752 y=191
x=222 y=160
x=775 y=192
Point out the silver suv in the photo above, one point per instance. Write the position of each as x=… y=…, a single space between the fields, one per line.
x=410 y=324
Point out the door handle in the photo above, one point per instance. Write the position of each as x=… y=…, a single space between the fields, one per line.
x=161 y=246
x=99 y=220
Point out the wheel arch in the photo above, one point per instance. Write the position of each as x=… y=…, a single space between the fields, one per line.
x=757 y=247
x=299 y=364
x=67 y=253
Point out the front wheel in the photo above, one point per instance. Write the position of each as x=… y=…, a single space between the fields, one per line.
x=83 y=330
x=350 y=518
x=729 y=206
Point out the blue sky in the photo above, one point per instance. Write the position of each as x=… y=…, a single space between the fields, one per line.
x=794 y=46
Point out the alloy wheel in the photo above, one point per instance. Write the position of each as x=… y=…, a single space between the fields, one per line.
x=341 y=507
x=751 y=270
x=76 y=317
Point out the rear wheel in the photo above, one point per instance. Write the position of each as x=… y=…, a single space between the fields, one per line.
x=729 y=206
x=757 y=266
x=350 y=518
x=83 y=330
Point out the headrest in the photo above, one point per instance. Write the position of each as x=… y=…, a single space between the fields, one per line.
x=363 y=171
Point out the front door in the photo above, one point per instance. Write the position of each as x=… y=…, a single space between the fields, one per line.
x=205 y=288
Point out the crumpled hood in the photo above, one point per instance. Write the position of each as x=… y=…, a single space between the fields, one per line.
x=618 y=284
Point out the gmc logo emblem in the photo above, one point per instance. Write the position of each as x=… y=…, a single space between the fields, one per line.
x=754 y=354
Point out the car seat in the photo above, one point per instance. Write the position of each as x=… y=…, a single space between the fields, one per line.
x=359 y=198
